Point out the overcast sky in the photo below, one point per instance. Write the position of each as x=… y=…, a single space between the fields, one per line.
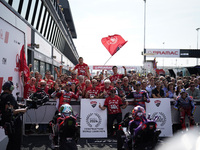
x=170 y=24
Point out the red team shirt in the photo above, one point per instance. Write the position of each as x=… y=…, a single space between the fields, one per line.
x=75 y=81
x=28 y=90
x=113 y=104
x=93 y=91
x=82 y=69
x=106 y=89
x=65 y=97
x=114 y=78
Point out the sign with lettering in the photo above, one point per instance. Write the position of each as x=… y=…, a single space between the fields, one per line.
x=163 y=52
x=93 y=119
x=161 y=108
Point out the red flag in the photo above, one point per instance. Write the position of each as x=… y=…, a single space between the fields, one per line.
x=23 y=65
x=113 y=43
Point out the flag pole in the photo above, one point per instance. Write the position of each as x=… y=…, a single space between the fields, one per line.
x=107 y=61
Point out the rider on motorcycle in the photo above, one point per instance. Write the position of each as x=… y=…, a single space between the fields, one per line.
x=65 y=131
x=138 y=114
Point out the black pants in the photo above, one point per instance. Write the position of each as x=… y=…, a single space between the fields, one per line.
x=111 y=118
x=14 y=139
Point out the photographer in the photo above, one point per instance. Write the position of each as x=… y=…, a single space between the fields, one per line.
x=11 y=117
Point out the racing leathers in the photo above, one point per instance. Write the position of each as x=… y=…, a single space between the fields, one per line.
x=185 y=107
x=140 y=97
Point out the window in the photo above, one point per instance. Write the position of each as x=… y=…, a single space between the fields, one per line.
x=24 y=8
x=50 y=29
x=38 y=13
x=45 y=21
x=47 y=26
x=30 y=16
x=41 y=18
x=34 y=12
x=35 y=18
x=36 y=65
x=15 y=4
x=42 y=69
x=48 y=67
x=52 y=32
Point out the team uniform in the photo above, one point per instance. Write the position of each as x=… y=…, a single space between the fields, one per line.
x=114 y=78
x=49 y=84
x=82 y=69
x=93 y=92
x=28 y=90
x=114 y=111
x=75 y=81
x=65 y=97
x=107 y=90
x=188 y=108
x=138 y=98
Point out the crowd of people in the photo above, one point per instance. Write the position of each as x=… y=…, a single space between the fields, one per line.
x=115 y=89
x=79 y=84
x=82 y=84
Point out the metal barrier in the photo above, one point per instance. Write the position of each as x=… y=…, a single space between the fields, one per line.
x=45 y=113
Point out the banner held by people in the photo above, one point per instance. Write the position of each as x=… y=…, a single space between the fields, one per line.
x=93 y=119
x=161 y=108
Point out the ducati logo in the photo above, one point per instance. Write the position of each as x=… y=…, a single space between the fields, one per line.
x=157 y=103
x=93 y=103
x=112 y=40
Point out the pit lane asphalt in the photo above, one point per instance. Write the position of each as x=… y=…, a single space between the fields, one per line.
x=42 y=142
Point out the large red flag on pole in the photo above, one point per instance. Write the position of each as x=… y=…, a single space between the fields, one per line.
x=23 y=65
x=113 y=43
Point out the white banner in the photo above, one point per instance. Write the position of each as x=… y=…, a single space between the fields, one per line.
x=163 y=52
x=93 y=119
x=161 y=107
x=11 y=42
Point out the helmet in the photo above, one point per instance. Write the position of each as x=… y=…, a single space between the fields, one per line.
x=182 y=91
x=66 y=109
x=68 y=83
x=138 y=111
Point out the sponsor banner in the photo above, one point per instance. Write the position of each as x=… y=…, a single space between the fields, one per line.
x=163 y=52
x=93 y=119
x=11 y=42
x=102 y=67
x=110 y=67
x=161 y=107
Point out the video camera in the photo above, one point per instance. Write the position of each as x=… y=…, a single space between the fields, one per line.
x=34 y=101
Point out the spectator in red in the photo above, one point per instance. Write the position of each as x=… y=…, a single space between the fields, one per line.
x=29 y=88
x=94 y=91
x=74 y=79
x=113 y=103
x=105 y=90
x=116 y=76
x=87 y=87
x=65 y=95
x=49 y=82
x=83 y=68
x=81 y=82
x=38 y=78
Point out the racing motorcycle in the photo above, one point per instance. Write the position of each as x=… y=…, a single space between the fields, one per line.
x=65 y=129
x=140 y=134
